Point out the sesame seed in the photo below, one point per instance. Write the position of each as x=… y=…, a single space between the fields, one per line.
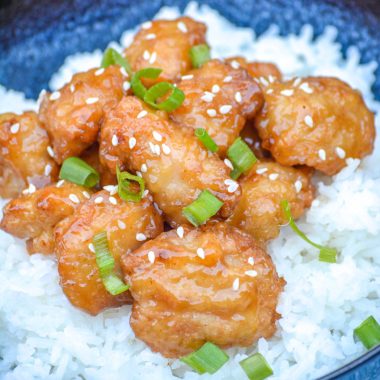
x=108 y=188
x=215 y=89
x=180 y=232
x=271 y=78
x=142 y=114
x=235 y=64
x=157 y=149
x=227 y=79
x=248 y=140
x=15 y=128
x=72 y=88
x=153 y=58
x=91 y=247
x=86 y=194
x=251 y=261
x=55 y=95
x=123 y=71
x=236 y=284
x=166 y=149
x=115 y=140
x=145 y=193
x=207 y=97
x=146 y=25
x=201 y=253
x=273 y=176
x=306 y=88
x=187 y=77
x=50 y=151
x=121 y=225
x=74 y=198
x=211 y=112
x=232 y=185
x=146 y=55
x=150 y=36
x=296 y=82
x=98 y=200
x=298 y=186
x=309 y=121
x=140 y=237
x=152 y=147
x=287 y=92
x=99 y=71
x=144 y=168
x=182 y=27
x=47 y=170
x=322 y=154
x=92 y=100
x=151 y=256
x=340 y=152
x=157 y=136
x=126 y=86
x=132 y=142
x=269 y=91
x=261 y=170
x=238 y=97
x=60 y=183
x=31 y=188
x=113 y=200
x=225 y=109
x=228 y=163
x=138 y=173
x=251 y=273
x=264 y=82
x=157 y=208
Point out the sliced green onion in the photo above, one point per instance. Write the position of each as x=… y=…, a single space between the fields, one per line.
x=174 y=101
x=202 y=209
x=256 y=367
x=326 y=254
x=368 y=332
x=241 y=156
x=199 y=54
x=112 y=57
x=79 y=172
x=124 y=180
x=206 y=140
x=137 y=87
x=106 y=265
x=209 y=358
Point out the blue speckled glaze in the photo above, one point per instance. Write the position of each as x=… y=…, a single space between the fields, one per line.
x=37 y=35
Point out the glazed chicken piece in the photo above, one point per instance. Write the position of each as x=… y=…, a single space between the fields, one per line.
x=33 y=216
x=215 y=284
x=24 y=157
x=166 y=44
x=72 y=116
x=175 y=165
x=219 y=99
x=259 y=211
x=127 y=224
x=318 y=122
x=251 y=137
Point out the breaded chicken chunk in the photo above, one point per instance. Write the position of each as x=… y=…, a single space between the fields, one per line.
x=219 y=99
x=166 y=44
x=175 y=165
x=72 y=116
x=259 y=211
x=33 y=216
x=214 y=284
x=24 y=157
x=127 y=224
x=316 y=121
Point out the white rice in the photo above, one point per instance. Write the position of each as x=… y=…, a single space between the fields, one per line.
x=43 y=337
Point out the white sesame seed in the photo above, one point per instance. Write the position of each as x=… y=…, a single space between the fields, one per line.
x=166 y=149
x=86 y=194
x=126 y=86
x=238 y=97
x=50 y=151
x=225 y=109
x=144 y=168
x=146 y=25
x=228 y=163
x=98 y=200
x=227 y=79
x=182 y=27
x=287 y=92
x=322 y=154
x=261 y=170
x=121 y=224
x=270 y=90
x=47 y=170
x=235 y=64
x=248 y=140
x=309 y=121
x=140 y=237
x=251 y=261
x=208 y=97
x=264 y=82
x=187 y=77
x=296 y=82
x=145 y=193
x=15 y=128
x=211 y=112
x=123 y=71
x=251 y=273
x=91 y=247
x=55 y=95
x=138 y=173
x=306 y=88
x=146 y=55
x=157 y=149
x=108 y=188
x=236 y=284
x=92 y=100
x=142 y=114
x=298 y=186
x=132 y=142
x=99 y=71
x=150 y=36
x=152 y=147
x=273 y=176
x=232 y=185
x=340 y=152
x=153 y=58
x=151 y=256
x=215 y=89
x=201 y=253
x=31 y=188
x=180 y=232
x=74 y=198
x=60 y=183
x=157 y=208
x=157 y=136
x=113 y=200
x=271 y=78
x=115 y=140
x=72 y=88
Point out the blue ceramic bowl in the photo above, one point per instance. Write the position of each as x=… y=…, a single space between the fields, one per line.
x=36 y=36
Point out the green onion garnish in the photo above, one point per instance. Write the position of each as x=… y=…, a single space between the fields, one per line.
x=326 y=254
x=199 y=54
x=206 y=140
x=368 y=332
x=256 y=367
x=106 y=265
x=137 y=87
x=202 y=209
x=209 y=358
x=125 y=192
x=79 y=172
x=175 y=99
x=112 y=57
x=241 y=156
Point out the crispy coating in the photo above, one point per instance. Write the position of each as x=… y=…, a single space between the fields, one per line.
x=79 y=275
x=24 y=159
x=250 y=135
x=257 y=69
x=183 y=300
x=175 y=165
x=318 y=122
x=220 y=107
x=34 y=216
x=259 y=210
x=73 y=115
x=166 y=44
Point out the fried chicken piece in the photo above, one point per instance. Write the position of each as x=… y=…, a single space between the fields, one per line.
x=257 y=69
x=166 y=44
x=215 y=284
x=24 y=158
x=72 y=116
x=318 y=122
x=175 y=165
x=259 y=211
x=219 y=99
x=33 y=216
x=127 y=224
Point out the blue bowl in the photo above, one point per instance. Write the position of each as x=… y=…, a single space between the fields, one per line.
x=36 y=36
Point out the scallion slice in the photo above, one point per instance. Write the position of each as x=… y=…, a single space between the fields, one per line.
x=202 y=209
x=114 y=284
x=241 y=156
x=112 y=57
x=199 y=54
x=157 y=91
x=368 y=332
x=209 y=358
x=256 y=367
x=125 y=192
x=326 y=254
x=206 y=140
x=79 y=172
x=137 y=87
